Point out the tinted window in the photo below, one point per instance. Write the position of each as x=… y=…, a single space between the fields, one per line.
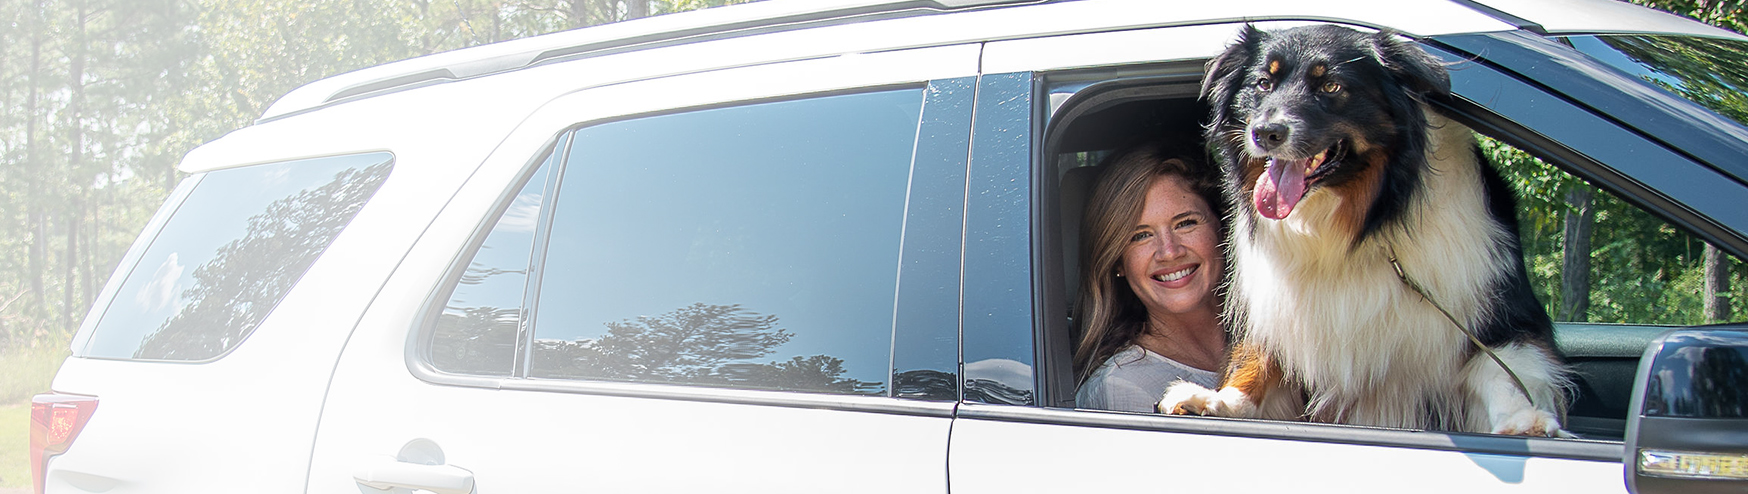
x=753 y=246
x=476 y=332
x=231 y=251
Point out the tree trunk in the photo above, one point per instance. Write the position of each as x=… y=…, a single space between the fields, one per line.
x=578 y=13
x=1717 y=285
x=33 y=189
x=71 y=272
x=636 y=9
x=88 y=265
x=1575 y=254
x=75 y=159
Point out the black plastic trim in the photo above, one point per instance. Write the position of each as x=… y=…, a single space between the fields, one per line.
x=1482 y=117
x=1675 y=122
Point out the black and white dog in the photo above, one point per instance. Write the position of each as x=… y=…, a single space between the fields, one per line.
x=1335 y=167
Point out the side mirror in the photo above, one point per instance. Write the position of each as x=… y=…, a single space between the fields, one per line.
x=1687 y=427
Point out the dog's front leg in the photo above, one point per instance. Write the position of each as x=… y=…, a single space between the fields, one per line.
x=1499 y=407
x=1251 y=377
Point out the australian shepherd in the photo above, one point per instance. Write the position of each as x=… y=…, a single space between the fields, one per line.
x=1340 y=177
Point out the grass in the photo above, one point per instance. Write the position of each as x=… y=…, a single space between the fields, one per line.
x=23 y=372
x=27 y=371
x=14 y=444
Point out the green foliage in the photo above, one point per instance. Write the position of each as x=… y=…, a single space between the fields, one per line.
x=1643 y=270
x=28 y=371
x=1726 y=14
x=103 y=97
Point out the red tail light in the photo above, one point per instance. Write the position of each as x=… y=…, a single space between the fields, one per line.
x=55 y=421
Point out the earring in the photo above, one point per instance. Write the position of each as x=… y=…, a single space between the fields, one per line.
x=1119 y=275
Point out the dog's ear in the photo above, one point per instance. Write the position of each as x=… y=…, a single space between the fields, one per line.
x=1411 y=65
x=1222 y=68
x=1226 y=77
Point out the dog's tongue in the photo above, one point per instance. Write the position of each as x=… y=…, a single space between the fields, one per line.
x=1280 y=188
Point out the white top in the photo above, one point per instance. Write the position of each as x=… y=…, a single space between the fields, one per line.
x=1133 y=379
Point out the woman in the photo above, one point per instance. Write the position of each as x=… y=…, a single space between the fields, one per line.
x=1151 y=262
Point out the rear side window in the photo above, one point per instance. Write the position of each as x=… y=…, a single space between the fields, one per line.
x=229 y=253
x=747 y=247
x=476 y=331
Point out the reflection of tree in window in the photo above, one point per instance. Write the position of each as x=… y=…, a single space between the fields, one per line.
x=234 y=291
x=926 y=385
x=697 y=344
x=1703 y=70
x=479 y=340
x=1719 y=378
x=1625 y=265
x=991 y=391
x=1698 y=380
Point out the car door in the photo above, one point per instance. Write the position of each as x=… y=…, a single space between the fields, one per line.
x=1044 y=444
x=722 y=281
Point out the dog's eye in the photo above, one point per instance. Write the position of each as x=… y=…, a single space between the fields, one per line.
x=1331 y=87
x=1265 y=84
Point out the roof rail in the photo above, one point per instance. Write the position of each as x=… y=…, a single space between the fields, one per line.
x=729 y=21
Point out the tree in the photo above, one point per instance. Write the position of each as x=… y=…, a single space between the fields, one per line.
x=103 y=98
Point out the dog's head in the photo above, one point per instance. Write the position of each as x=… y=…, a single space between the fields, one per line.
x=1322 y=109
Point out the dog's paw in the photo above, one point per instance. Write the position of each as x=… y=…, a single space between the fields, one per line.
x=1530 y=422
x=1185 y=398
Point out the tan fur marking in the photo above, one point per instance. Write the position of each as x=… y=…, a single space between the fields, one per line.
x=1250 y=370
x=1274 y=67
x=1358 y=193
x=1318 y=70
x=1252 y=170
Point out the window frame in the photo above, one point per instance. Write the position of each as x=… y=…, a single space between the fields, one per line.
x=940 y=100
x=1486 y=116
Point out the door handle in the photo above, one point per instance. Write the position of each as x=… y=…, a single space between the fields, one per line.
x=386 y=472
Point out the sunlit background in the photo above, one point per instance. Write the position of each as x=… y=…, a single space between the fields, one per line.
x=99 y=99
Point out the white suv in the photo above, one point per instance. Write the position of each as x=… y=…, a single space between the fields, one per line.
x=804 y=246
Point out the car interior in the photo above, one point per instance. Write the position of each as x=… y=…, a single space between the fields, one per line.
x=1093 y=114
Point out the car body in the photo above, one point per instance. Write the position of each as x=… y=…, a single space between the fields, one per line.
x=891 y=170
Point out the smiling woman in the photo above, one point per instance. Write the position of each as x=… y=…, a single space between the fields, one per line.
x=1148 y=309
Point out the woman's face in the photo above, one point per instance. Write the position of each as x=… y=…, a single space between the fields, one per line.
x=1172 y=260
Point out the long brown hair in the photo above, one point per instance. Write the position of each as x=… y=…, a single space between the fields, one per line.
x=1108 y=313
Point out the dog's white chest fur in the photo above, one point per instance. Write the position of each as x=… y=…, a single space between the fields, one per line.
x=1367 y=349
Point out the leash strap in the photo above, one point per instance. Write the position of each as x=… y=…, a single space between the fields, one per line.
x=1460 y=328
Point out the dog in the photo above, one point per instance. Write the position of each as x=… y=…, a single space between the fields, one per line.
x=1339 y=177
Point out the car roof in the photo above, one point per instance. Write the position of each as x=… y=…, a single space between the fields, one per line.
x=1598 y=17
x=981 y=20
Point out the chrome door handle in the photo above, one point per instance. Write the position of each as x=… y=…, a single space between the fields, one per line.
x=386 y=472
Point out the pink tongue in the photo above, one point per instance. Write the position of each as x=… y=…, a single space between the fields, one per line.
x=1279 y=189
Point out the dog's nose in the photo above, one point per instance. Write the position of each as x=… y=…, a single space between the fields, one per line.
x=1269 y=135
